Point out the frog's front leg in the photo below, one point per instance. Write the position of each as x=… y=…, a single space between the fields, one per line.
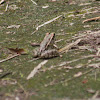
x=36 y=53
x=49 y=53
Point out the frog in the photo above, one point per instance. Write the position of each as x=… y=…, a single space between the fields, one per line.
x=46 y=48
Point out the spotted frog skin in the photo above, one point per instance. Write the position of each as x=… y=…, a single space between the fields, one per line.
x=46 y=49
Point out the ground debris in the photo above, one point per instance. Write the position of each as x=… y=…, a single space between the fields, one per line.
x=84 y=4
x=79 y=66
x=17 y=50
x=14 y=26
x=90 y=41
x=47 y=23
x=66 y=48
x=91 y=19
x=7 y=81
x=78 y=74
x=5 y=74
x=45 y=6
x=34 y=2
x=2 y=1
x=89 y=90
x=36 y=69
x=57 y=81
x=38 y=15
x=13 y=7
x=6 y=7
x=95 y=65
x=84 y=81
x=35 y=44
x=12 y=53
x=8 y=58
x=96 y=96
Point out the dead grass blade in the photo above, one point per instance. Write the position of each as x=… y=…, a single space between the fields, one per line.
x=5 y=74
x=2 y=1
x=6 y=7
x=94 y=97
x=8 y=58
x=36 y=69
x=34 y=2
x=66 y=48
x=47 y=23
x=91 y=19
x=83 y=57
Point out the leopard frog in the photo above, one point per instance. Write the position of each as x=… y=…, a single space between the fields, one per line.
x=46 y=49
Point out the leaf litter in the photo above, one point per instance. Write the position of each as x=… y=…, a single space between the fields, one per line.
x=91 y=39
x=15 y=52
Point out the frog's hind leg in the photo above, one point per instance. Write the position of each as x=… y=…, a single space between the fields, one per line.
x=49 y=54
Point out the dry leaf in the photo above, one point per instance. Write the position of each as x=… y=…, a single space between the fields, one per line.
x=18 y=51
x=84 y=81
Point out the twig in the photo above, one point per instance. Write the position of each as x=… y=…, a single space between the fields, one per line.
x=36 y=69
x=2 y=1
x=46 y=23
x=8 y=58
x=83 y=57
x=59 y=40
x=6 y=8
x=94 y=65
x=95 y=95
x=91 y=19
x=34 y=2
x=75 y=60
x=34 y=31
x=35 y=44
x=33 y=59
x=66 y=48
x=5 y=74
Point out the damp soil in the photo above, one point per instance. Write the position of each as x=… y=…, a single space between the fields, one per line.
x=61 y=78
